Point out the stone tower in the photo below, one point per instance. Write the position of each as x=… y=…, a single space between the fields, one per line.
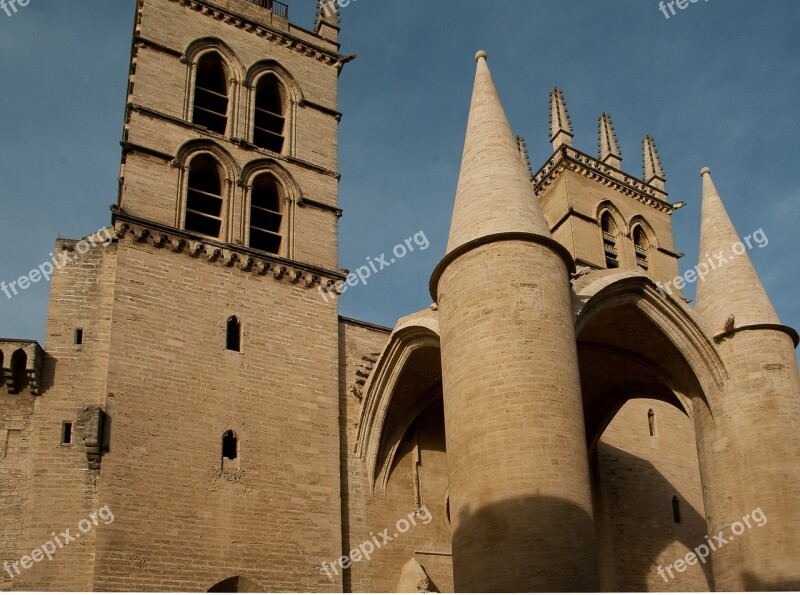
x=517 y=477
x=206 y=374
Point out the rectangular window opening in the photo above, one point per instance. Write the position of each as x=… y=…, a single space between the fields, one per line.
x=66 y=433
x=78 y=336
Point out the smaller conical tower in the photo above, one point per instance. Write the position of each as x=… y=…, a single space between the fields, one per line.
x=651 y=164
x=608 y=143
x=520 y=497
x=561 y=131
x=753 y=462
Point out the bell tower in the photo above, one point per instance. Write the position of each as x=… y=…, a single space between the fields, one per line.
x=222 y=373
x=605 y=217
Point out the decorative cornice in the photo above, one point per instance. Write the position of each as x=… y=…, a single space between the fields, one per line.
x=221 y=137
x=245 y=259
x=781 y=328
x=522 y=236
x=321 y=108
x=581 y=163
x=319 y=205
x=271 y=34
x=143 y=42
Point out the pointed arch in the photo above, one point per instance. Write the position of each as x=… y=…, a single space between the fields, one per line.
x=610 y=233
x=273 y=98
x=205 y=189
x=271 y=195
x=214 y=75
x=406 y=379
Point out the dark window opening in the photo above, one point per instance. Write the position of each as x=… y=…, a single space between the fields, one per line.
x=676 y=510
x=204 y=196
x=640 y=245
x=233 y=335
x=230 y=446
x=66 y=433
x=268 y=120
x=19 y=372
x=211 y=93
x=651 y=422
x=609 y=241
x=78 y=336
x=265 y=214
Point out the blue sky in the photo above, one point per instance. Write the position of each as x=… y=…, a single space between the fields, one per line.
x=717 y=84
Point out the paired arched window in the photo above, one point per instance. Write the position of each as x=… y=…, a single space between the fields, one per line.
x=233 y=334
x=641 y=246
x=269 y=120
x=266 y=216
x=609 y=229
x=211 y=93
x=204 y=196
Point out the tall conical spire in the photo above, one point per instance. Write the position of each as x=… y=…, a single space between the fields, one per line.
x=560 y=125
x=653 y=171
x=731 y=287
x=494 y=192
x=608 y=143
x=523 y=151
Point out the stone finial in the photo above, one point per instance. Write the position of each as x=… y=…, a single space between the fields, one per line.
x=727 y=284
x=494 y=192
x=328 y=18
x=653 y=170
x=560 y=125
x=608 y=143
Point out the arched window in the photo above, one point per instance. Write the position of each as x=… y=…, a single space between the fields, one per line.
x=268 y=119
x=19 y=373
x=230 y=446
x=233 y=334
x=204 y=196
x=609 y=229
x=676 y=510
x=266 y=218
x=211 y=93
x=651 y=422
x=641 y=246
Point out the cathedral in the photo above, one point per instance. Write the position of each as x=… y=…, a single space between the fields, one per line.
x=560 y=418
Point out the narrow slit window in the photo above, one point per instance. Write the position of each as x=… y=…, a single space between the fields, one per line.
x=609 y=241
x=230 y=446
x=676 y=510
x=66 y=433
x=269 y=120
x=233 y=335
x=641 y=247
x=651 y=422
x=266 y=219
x=204 y=196
x=211 y=93
x=78 y=336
